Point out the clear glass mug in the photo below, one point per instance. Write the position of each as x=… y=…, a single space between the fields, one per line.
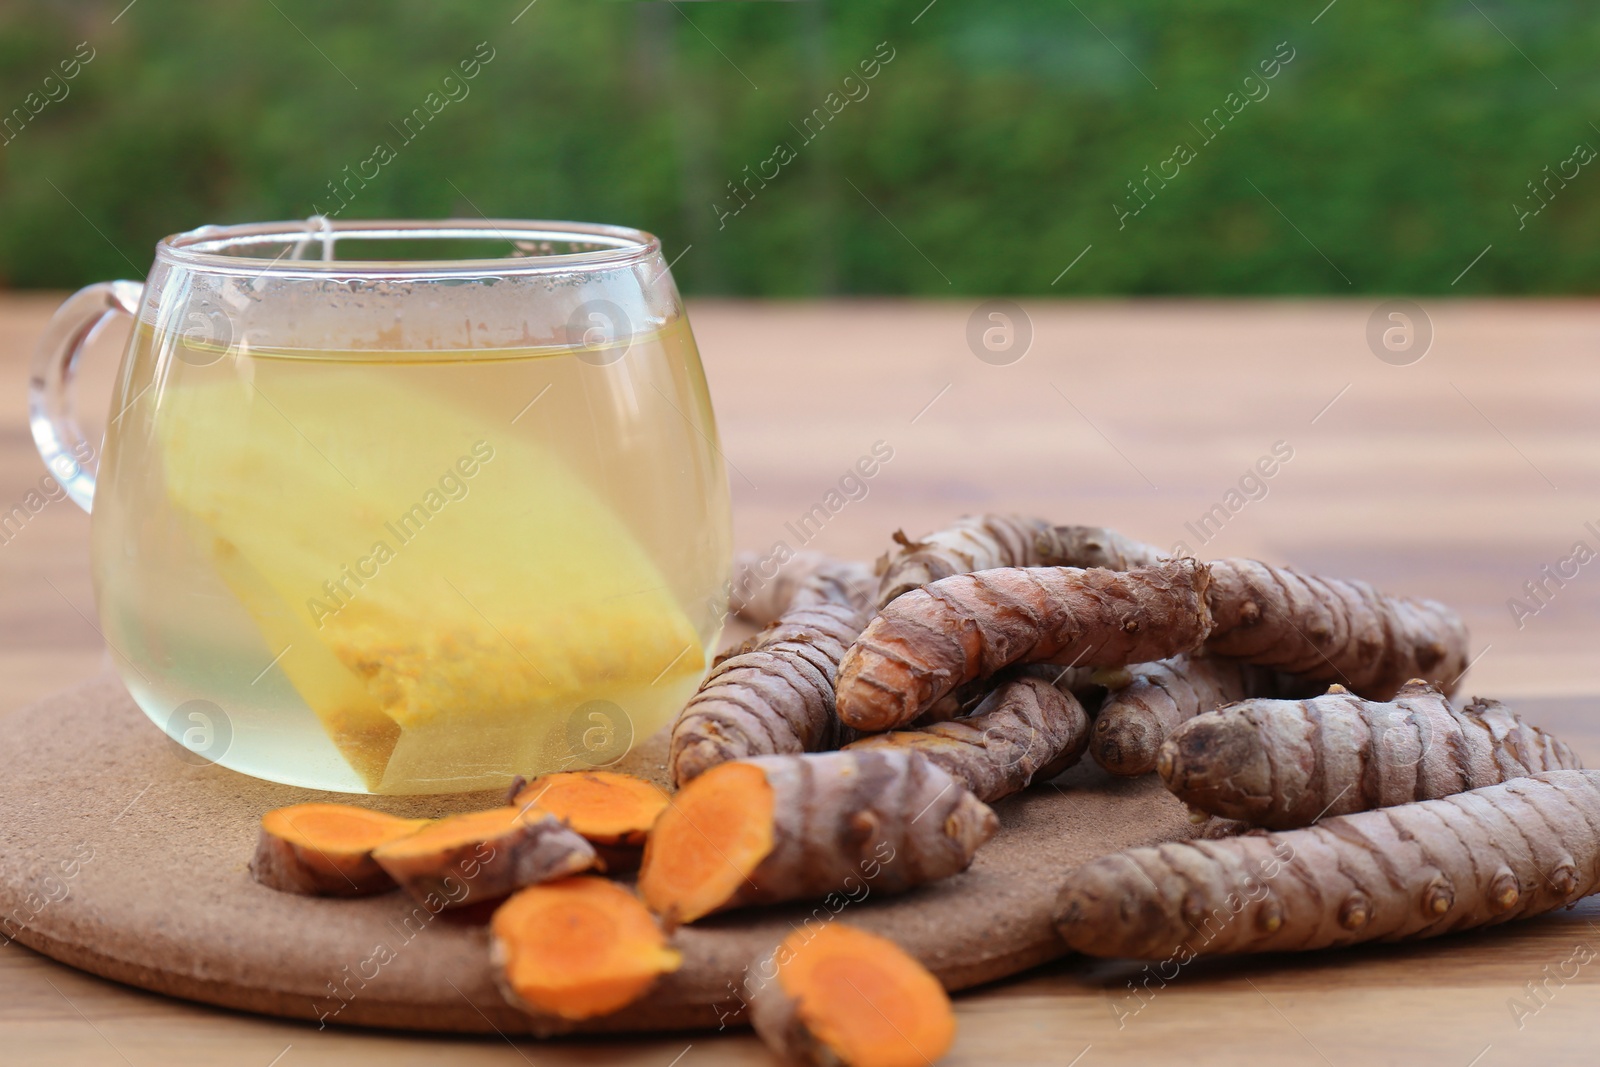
x=400 y=507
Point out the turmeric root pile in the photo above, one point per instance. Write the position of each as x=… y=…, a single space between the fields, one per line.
x=857 y=741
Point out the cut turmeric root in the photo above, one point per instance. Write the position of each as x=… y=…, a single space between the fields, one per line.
x=845 y=997
x=484 y=855
x=613 y=812
x=577 y=948
x=326 y=849
x=776 y=828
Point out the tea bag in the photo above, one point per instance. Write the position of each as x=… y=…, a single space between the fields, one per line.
x=450 y=593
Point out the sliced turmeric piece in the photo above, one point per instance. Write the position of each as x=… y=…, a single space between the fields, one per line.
x=484 y=855
x=775 y=828
x=577 y=948
x=613 y=812
x=845 y=997
x=326 y=849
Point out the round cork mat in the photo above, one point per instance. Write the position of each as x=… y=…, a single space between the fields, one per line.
x=121 y=856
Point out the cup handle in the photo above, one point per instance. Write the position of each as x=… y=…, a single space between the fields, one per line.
x=52 y=404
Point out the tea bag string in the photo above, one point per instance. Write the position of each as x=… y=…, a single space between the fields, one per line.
x=316 y=225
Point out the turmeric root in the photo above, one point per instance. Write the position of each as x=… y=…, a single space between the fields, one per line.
x=1097 y=546
x=934 y=639
x=326 y=849
x=842 y=997
x=613 y=812
x=804 y=580
x=775 y=828
x=1418 y=870
x=1328 y=630
x=971 y=543
x=984 y=542
x=1025 y=729
x=774 y=699
x=484 y=855
x=1285 y=763
x=961 y=701
x=1148 y=702
x=577 y=948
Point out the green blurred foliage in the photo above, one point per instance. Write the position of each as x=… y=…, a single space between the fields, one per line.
x=989 y=152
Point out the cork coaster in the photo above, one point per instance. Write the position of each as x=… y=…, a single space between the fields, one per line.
x=120 y=856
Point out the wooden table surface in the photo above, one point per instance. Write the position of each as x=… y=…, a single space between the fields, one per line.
x=1457 y=476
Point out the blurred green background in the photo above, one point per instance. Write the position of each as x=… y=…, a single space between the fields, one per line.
x=998 y=142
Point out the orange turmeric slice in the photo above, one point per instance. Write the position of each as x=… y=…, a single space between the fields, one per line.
x=844 y=996
x=703 y=848
x=326 y=849
x=614 y=812
x=483 y=855
x=577 y=948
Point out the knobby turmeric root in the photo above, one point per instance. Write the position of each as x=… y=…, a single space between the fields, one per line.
x=1418 y=870
x=326 y=849
x=934 y=639
x=971 y=543
x=1098 y=546
x=484 y=855
x=1026 y=729
x=805 y=580
x=984 y=542
x=1285 y=763
x=1328 y=630
x=773 y=698
x=577 y=948
x=1149 y=701
x=841 y=997
x=775 y=828
x=1079 y=681
x=613 y=812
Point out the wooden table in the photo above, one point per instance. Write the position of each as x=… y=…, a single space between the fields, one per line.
x=1457 y=476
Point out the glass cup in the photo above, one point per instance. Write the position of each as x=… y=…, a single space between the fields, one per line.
x=400 y=507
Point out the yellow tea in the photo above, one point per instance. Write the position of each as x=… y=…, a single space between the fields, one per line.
x=413 y=571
